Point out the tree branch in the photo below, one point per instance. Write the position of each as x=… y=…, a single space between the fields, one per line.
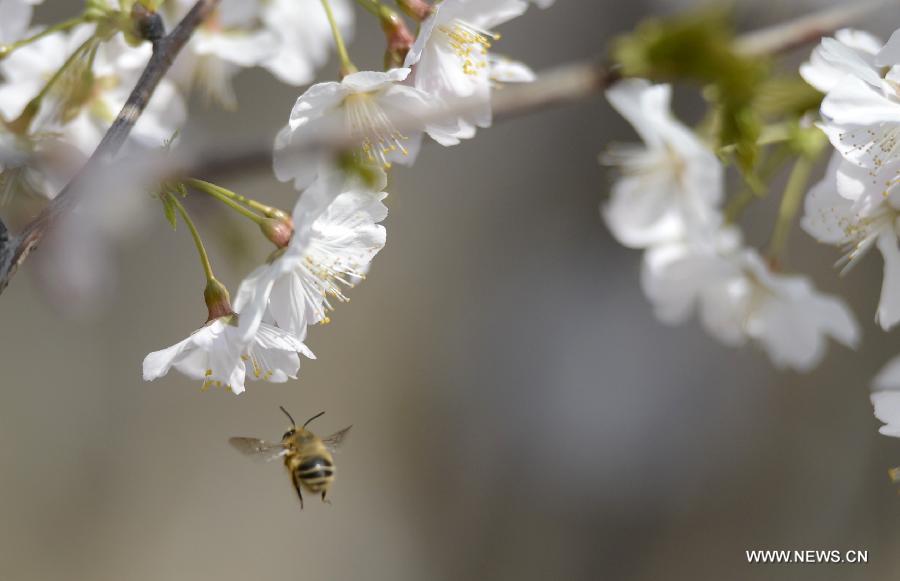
x=14 y=250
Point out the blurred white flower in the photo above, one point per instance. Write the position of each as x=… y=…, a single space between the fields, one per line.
x=857 y=208
x=81 y=107
x=670 y=185
x=35 y=165
x=739 y=297
x=365 y=104
x=451 y=61
x=218 y=354
x=290 y=38
x=886 y=397
x=785 y=314
x=229 y=39
x=337 y=235
x=15 y=18
x=303 y=36
x=682 y=276
x=850 y=52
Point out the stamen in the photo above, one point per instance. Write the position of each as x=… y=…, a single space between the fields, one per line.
x=470 y=43
x=380 y=138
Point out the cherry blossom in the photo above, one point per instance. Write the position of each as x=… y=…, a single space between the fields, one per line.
x=857 y=208
x=364 y=104
x=671 y=184
x=15 y=18
x=218 y=354
x=337 y=235
x=451 y=61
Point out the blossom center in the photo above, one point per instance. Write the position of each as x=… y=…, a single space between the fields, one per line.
x=380 y=137
x=470 y=43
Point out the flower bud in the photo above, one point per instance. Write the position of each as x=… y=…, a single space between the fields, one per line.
x=399 y=38
x=147 y=23
x=218 y=301
x=278 y=231
x=418 y=10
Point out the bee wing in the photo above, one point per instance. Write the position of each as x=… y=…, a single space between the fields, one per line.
x=334 y=441
x=257 y=448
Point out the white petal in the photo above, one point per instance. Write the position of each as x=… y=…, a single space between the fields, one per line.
x=889 y=55
x=889 y=377
x=827 y=215
x=888 y=313
x=887 y=407
x=504 y=70
x=158 y=363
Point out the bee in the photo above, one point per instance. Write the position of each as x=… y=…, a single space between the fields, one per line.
x=307 y=457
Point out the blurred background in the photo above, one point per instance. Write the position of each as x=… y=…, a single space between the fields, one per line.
x=518 y=411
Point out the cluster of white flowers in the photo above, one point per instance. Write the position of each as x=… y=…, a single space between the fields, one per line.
x=336 y=224
x=857 y=204
x=667 y=202
x=60 y=93
x=289 y=38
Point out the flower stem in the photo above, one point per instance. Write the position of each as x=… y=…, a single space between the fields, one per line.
x=226 y=197
x=23 y=121
x=768 y=168
x=373 y=6
x=790 y=203
x=347 y=66
x=204 y=257
x=265 y=210
x=8 y=49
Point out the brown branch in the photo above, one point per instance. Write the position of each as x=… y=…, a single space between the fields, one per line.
x=801 y=31
x=14 y=250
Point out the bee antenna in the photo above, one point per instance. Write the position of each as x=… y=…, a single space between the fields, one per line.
x=312 y=418
x=290 y=417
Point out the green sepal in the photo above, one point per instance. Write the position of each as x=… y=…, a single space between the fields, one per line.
x=169 y=210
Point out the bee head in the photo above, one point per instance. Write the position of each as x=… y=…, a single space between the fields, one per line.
x=290 y=433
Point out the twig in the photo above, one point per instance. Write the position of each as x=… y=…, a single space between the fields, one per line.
x=15 y=250
x=806 y=29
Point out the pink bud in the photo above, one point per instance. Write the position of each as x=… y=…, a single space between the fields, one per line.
x=278 y=231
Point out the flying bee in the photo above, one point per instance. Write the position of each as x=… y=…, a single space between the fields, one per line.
x=307 y=457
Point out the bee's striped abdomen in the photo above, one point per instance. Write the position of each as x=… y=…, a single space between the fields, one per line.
x=316 y=473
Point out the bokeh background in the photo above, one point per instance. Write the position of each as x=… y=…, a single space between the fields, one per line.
x=518 y=412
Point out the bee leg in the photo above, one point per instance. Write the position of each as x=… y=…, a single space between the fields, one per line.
x=326 y=501
x=296 y=482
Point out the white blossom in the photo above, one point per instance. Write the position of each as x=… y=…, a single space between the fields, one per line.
x=290 y=38
x=739 y=298
x=451 y=61
x=857 y=208
x=303 y=36
x=670 y=185
x=850 y=52
x=886 y=398
x=82 y=113
x=218 y=354
x=15 y=18
x=364 y=104
x=337 y=235
x=861 y=110
x=228 y=40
